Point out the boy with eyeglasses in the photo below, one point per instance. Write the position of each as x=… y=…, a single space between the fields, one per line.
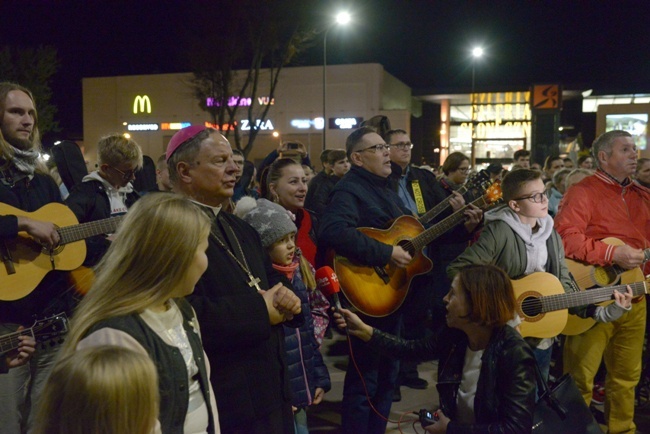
x=107 y=191
x=519 y=238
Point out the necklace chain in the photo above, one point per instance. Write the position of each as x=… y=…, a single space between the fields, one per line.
x=252 y=281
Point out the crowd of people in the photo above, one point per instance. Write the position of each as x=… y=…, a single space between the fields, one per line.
x=204 y=314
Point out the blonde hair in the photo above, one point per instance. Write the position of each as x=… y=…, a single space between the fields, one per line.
x=142 y=267
x=100 y=390
x=115 y=149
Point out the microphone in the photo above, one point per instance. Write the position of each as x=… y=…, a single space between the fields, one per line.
x=328 y=283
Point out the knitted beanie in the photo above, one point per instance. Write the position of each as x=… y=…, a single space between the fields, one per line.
x=269 y=219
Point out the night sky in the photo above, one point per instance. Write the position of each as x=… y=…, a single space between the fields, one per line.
x=603 y=45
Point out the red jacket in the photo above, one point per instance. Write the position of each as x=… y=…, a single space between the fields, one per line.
x=599 y=207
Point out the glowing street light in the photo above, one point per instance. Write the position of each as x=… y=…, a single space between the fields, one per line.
x=477 y=53
x=342 y=19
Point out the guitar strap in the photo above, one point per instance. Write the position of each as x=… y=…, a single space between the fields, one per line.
x=417 y=193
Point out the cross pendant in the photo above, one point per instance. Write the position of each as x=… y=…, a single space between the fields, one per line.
x=254 y=281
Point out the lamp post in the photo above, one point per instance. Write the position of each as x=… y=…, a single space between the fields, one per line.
x=342 y=18
x=477 y=53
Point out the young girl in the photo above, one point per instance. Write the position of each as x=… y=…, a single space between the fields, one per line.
x=308 y=374
x=137 y=302
x=102 y=390
x=285 y=183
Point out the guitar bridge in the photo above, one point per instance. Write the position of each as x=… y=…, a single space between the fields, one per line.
x=381 y=272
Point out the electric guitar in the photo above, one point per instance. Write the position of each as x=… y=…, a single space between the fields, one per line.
x=542 y=303
x=26 y=262
x=42 y=331
x=380 y=291
x=593 y=276
x=478 y=182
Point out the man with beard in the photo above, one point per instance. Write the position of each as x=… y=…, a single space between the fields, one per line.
x=241 y=300
x=25 y=184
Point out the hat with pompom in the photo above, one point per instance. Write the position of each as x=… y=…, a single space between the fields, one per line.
x=270 y=220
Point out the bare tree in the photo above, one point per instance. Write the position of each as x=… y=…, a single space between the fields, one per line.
x=259 y=43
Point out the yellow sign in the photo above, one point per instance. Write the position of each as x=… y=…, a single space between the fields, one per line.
x=141 y=103
x=546 y=96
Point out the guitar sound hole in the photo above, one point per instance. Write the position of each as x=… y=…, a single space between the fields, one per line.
x=406 y=245
x=531 y=306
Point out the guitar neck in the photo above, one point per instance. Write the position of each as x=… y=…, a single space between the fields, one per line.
x=443 y=205
x=11 y=341
x=70 y=234
x=445 y=225
x=591 y=296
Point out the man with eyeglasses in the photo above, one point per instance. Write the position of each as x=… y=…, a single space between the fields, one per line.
x=363 y=198
x=107 y=191
x=417 y=189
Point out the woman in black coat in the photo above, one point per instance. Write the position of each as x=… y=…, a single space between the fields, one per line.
x=486 y=371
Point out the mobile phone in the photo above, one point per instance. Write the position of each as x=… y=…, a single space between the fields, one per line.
x=292 y=145
x=426 y=417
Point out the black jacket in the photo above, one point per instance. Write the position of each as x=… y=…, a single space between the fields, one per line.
x=89 y=202
x=318 y=192
x=505 y=394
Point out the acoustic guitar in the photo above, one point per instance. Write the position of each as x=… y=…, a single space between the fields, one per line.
x=42 y=331
x=593 y=276
x=542 y=303
x=26 y=262
x=380 y=291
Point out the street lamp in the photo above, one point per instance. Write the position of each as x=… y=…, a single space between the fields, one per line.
x=342 y=19
x=477 y=53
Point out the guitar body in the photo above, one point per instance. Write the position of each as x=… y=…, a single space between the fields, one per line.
x=591 y=276
x=365 y=289
x=31 y=261
x=534 y=321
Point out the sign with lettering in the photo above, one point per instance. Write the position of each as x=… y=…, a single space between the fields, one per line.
x=263 y=125
x=142 y=127
x=174 y=125
x=240 y=101
x=141 y=104
x=305 y=124
x=344 y=123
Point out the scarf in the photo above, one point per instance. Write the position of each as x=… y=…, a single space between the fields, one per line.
x=288 y=270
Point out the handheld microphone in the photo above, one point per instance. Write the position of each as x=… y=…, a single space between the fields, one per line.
x=328 y=283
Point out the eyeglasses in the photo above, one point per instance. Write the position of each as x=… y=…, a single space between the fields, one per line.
x=404 y=146
x=381 y=148
x=127 y=176
x=537 y=197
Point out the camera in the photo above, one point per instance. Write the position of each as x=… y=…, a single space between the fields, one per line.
x=427 y=418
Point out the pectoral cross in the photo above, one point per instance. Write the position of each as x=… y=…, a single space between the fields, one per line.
x=254 y=281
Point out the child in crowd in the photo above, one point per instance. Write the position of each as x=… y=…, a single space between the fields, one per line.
x=308 y=374
x=138 y=301
x=519 y=238
x=102 y=390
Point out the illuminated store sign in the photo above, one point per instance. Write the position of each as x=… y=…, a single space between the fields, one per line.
x=240 y=102
x=174 y=125
x=141 y=104
x=305 y=124
x=245 y=125
x=142 y=127
x=265 y=125
x=344 y=123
